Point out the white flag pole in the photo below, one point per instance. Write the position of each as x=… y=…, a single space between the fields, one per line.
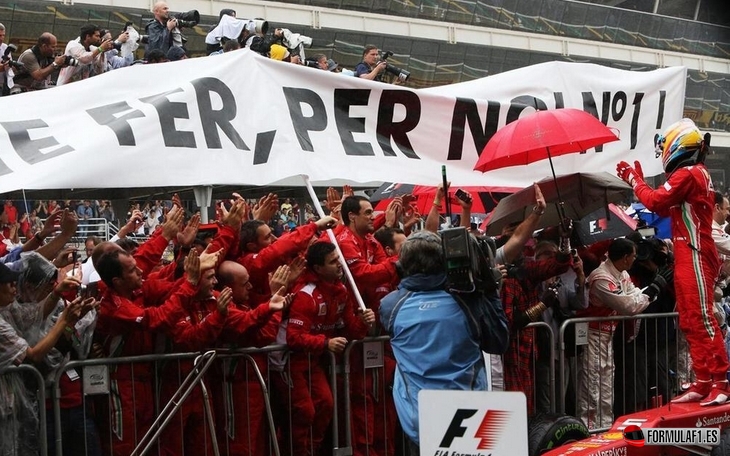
x=348 y=274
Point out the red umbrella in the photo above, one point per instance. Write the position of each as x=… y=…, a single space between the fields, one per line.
x=544 y=134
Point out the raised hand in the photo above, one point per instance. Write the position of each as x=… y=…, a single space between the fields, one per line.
x=296 y=268
x=186 y=237
x=49 y=226
x=209 y=260
x=192 y=267
x=393 y=212
x=224 y=298
x=326 y=222
x=69 y=222
x=540 y=203
x=266 y=207
x=171 y=227
x=279 y=278
x=627 y=173
x=280 y=300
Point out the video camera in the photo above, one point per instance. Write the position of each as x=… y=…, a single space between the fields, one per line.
x=6 y=57
x=187 y=19
x=400 y=73
x=470 y=264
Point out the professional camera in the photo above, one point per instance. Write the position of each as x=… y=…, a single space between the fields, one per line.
x=470 y=262
x=70 y=61
x=188 y=19
x=312 y=64
x=401 y=74
x=256 y=26
x=6 y=57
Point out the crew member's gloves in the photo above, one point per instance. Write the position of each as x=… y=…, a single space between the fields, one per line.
x=628 y=174
x=657 y=286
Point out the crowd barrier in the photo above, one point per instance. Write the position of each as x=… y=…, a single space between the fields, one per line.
x=244 y=383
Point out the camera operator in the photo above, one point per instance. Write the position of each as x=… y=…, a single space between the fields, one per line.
x=39 y=64
x=427 y=338
x=85 y=55
x=371 y=66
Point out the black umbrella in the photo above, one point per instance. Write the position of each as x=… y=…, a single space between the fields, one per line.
x=582 y=194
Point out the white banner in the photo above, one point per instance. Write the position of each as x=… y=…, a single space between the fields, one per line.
x=240 y=119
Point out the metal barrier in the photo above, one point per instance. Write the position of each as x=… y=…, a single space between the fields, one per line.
x=601 y=341
x=6 y=375
x=348 y=380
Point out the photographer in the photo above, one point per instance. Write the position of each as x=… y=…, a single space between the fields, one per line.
x=427 y=338
x=85 y=55
x=163 y=32
x=6 y=74
x=370 y=67
x=39 y=64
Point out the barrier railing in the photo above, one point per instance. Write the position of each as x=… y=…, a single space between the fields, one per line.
x=9 y=422
x=592 y=344
x=360 y=388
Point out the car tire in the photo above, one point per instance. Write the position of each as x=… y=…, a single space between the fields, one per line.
x=549 y=430
x=724 y=448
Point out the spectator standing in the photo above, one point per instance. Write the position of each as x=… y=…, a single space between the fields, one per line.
x=11 y=211
x=611 y=292
x=85 y=213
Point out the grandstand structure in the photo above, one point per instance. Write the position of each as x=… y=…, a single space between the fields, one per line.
x=449 y=41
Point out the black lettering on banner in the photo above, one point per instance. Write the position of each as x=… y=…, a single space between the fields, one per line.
x=397 y=130
x=466 y=111
x=168 y=111
x=618 y=100
x=104 y=115
x=559 y=101
x=660 y=113
x=30 y=149
x=455 y=428
x=303 y=125
x=638 y=96
x=346 y=125
x=222 y=118
x=589 y=106
x=518 y=104
x=264 y=141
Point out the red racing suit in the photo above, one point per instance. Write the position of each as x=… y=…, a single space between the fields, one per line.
x=280 y=252
x=127 y=328
x=375 y=276
x=688 y=198
x=320 y=311
x=200 y=329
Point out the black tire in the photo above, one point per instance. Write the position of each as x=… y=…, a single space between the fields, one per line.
x=724 y=448
x=549 y=430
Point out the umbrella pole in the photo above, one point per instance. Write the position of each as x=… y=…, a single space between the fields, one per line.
x=561 y=204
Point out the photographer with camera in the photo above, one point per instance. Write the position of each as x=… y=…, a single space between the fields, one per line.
x=371 y=66
x=163 y=32
x=85 y=55
x=6 y=72
x=39 y=63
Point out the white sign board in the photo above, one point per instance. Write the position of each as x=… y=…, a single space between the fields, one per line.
x=478 y=423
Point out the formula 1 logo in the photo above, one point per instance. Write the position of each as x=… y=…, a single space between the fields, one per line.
x=489 y=431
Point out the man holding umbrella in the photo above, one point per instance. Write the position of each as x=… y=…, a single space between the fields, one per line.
x=688 y=197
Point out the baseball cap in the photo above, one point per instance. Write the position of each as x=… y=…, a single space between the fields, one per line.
x=7 y=275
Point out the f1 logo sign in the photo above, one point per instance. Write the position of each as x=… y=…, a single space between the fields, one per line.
x=488 y=432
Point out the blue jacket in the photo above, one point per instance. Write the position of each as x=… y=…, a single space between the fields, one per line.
x=433 y=346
